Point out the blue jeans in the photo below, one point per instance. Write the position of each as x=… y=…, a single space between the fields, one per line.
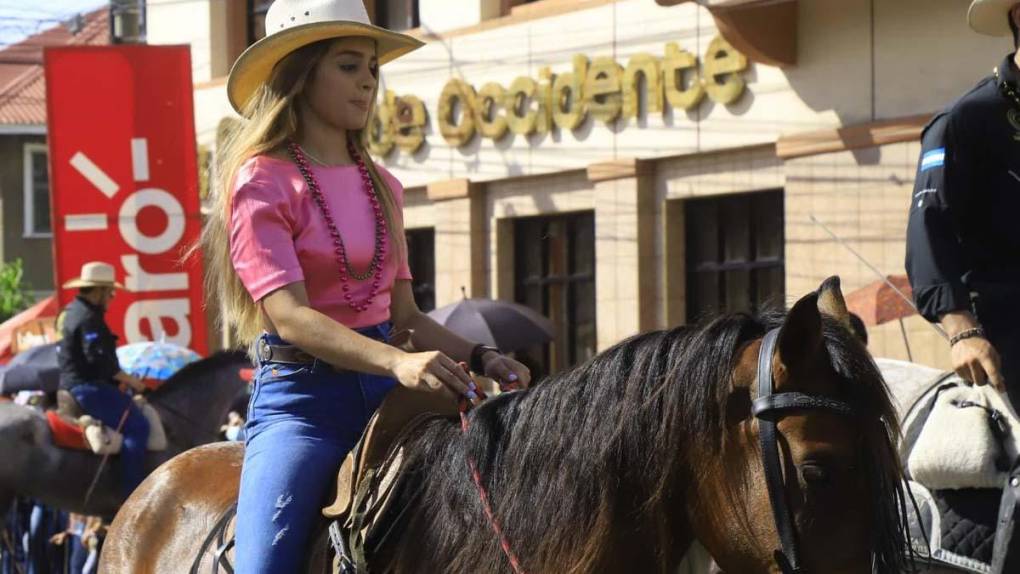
x=44 y=557
x=302 y=422
x=77 y=554
x=106 y=403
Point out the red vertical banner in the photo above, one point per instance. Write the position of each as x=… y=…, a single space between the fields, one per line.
x=124 y=183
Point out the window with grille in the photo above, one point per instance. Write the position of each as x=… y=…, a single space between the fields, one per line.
x=37 y=191
x=734 y=246
x=257 y=19
x=421 y=258
x=397 y=15
x=554 y=265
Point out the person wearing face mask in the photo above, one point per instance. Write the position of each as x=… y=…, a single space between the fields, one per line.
x=90 y=371
x=306 y=243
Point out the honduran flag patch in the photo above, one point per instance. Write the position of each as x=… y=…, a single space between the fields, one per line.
x=934 y=158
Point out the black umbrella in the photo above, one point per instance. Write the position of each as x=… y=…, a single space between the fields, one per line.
x=501 y=324
x=34 y=369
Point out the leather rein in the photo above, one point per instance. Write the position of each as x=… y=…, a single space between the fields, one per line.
x=768 y=408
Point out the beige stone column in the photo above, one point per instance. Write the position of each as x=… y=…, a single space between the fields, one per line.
x=626 y=274
x=460 y=240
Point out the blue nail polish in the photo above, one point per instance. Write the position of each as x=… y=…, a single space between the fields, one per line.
x=471 y=395
x=513 y=377
x=473 y=387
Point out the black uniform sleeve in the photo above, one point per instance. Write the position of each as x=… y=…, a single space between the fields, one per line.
x=99 y=347
x=935 y=258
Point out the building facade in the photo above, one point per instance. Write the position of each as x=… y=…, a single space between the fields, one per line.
x=25 y=227
x=624 y=165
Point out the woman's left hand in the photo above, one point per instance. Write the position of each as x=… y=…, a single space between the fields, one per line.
x=506 y=371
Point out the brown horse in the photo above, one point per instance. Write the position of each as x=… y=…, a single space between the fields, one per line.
x=615 y=466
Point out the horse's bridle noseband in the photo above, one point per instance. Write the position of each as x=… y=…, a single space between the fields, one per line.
x=768 y=407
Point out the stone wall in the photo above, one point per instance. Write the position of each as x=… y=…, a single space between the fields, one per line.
x=863 y=197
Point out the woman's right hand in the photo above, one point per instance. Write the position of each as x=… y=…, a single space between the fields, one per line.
x=434 y=371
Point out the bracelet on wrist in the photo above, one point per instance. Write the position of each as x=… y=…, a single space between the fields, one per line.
x=476 y=364
x=967 y=334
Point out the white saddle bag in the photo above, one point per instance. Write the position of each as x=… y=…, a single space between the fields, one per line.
x=969 y=440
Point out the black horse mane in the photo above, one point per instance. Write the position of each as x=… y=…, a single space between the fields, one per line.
x=191 y=372
x=606 y=445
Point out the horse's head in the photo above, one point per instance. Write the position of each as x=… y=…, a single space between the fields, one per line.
x=837 y=473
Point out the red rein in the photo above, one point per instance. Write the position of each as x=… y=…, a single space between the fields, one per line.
x=515 y=564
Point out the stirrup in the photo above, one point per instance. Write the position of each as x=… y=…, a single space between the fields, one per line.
x=343 y=555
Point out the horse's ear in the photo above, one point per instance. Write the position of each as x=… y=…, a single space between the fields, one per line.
x=831 y=302
x=800 y=337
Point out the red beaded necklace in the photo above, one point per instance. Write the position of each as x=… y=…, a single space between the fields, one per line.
x=346 y=271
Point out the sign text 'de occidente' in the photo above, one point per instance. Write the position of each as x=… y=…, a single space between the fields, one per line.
x=601 y=88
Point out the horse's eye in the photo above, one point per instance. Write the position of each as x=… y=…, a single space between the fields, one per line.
x=815 y=474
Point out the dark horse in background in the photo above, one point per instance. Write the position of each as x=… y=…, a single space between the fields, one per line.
x=614 y=466
x=192 y=404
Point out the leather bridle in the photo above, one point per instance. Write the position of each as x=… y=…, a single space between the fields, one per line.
x=768 y=408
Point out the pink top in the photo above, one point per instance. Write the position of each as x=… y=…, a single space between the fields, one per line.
x=278 y=236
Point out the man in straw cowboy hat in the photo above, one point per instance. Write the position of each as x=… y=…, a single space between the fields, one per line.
x=963 y=236
x=89 y=369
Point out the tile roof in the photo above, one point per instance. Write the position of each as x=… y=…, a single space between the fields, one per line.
x=22 y=82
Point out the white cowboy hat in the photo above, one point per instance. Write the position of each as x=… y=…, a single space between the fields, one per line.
x=291 y=24
x=95 y=274
x=990 y=17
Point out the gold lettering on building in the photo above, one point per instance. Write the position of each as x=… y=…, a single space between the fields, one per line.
x=381 y=127
x=457 y=96
x=520 y=115
x=678 y=94
x=544 y=119
x=642 y=66
x=568 y=95
x=723 y=64
x=601 y=88
x=491 y=122
x=410 y=124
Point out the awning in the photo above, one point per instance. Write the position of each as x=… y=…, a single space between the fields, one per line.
x=44 y=308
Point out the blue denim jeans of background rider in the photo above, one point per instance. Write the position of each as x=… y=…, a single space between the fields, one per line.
x=77 y=554
x=106 y=403
x=303 y=419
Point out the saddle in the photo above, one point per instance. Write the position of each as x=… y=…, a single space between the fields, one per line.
x=954 y=528
x=370 y=488
x=958 y=436
x=960 y=450
x=72 y=428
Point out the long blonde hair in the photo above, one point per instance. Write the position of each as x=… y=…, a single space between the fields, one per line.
x=272 y=120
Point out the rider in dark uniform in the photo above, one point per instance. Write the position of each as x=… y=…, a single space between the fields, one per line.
x=89 y=369
x=963 y=236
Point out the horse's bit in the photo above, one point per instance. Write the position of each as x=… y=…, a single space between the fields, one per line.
x=768 y=407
